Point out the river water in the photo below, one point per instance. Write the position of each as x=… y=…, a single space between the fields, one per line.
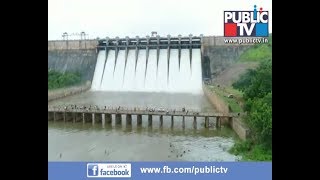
x=86 y=142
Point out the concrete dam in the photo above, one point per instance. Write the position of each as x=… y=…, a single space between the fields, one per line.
x=168 y=64
x=151 y=64
x=82 y=56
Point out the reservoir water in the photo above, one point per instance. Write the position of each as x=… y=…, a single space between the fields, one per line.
x=86 y=142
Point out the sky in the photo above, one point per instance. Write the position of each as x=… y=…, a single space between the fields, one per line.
x=111 y=18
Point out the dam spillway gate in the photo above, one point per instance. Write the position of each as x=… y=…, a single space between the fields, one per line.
x=159 y=48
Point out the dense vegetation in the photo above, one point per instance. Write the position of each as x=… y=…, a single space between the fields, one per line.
x=59 y=80
x=256 y=86
x=258 y=52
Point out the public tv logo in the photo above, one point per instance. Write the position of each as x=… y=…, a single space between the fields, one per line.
x=246 y=23
x=112 y=170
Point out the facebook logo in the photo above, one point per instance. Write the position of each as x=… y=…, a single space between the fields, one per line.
x=113 y=170
x=92 y=170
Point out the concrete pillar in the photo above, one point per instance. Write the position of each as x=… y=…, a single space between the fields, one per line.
x=118 y=118
x=179 y=54
x=195 y=122
x=158 y=55
x=158 y=50
x=103 y=119
x=206 y=122
x=168 y=57
x=108 y=118
x=106 y=49
x=126 y=56
x=183 y=122
x=150 y=120
x=93 y=118
x=168 y=62
x=190 y=48
x=139 y=119
x=147 y=54
x=83 y=119
x=137 y=52
x=218 y=122
x=117 y=50
x=129 y=119
x=201 y=41
x=161 y=120
x=172 y=122
x=64 y=116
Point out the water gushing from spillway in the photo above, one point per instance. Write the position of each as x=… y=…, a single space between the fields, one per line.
x=113 y=74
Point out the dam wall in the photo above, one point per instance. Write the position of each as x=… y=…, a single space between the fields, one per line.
x=73 y=60
x=72 y=44
x=81 y=55
x=218 y=55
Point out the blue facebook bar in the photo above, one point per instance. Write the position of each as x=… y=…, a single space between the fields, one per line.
x=160 y=170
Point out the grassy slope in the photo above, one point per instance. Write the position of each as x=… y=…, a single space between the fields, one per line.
x=258 y=52
x=234 y=103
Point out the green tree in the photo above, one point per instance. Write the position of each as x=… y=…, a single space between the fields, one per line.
x=261 y=81
x=260 y=120
x=244 y=80
x=58 y=80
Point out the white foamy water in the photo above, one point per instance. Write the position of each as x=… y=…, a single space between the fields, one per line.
x=148 y=77
x=98 y=71
x=129 y=76
x=151 y=77
x=140 y=72
x=162 y=76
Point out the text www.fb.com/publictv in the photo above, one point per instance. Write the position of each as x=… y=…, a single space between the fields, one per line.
x=186 y=170
x=246 y=40
x=95 y=170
